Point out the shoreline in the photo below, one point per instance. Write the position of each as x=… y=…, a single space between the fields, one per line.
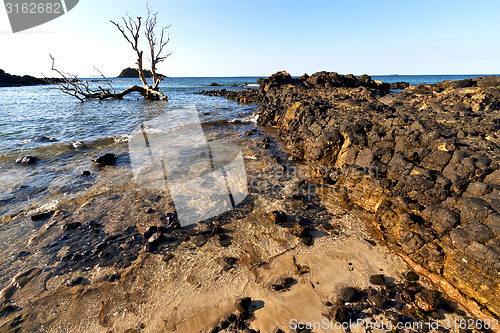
x=177 y=287
x=91 y=253
x=416 y=139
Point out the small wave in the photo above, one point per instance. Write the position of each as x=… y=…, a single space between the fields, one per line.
x=51 y=205
x=250 y=157
x=248 y=119
x=40 y=139
x=121 y=138
x=251 y=85
x=216 y=122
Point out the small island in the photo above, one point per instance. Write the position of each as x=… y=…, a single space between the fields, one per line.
x=133 y=73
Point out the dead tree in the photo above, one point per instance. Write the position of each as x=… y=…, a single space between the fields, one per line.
x=131 y=31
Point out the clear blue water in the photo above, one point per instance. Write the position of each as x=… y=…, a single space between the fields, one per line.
x=28 y=113
x=427 y=79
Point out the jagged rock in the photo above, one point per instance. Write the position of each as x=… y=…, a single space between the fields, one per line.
x=411 y=276
x=27 y=160
x=426 y=301
x=377 y=279
x=423 y=160
x=338 y=313
x=278 y=217
x=41 y=216
x=106 y=159
x=348 y=294
x=71 y=225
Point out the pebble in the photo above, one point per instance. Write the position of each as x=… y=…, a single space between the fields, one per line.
x=278 y=217
x=200 y=240
x=75 y=281
x=86 y=173
x=224 y=240
x=338 y=313
x=114 y=277
x=106 y=159
x=27 y=160
x=150 y=231
x=71 y=225
x=426 y=301
x=243 y=304
x=377 y=279
x=411 y=276
x=377 y=300
x=348 y=294
x=41 y=216
x=232 y=318
x=154 y=240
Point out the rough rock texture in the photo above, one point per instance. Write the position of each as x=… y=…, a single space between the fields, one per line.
x=8 y=80
x=425 y=161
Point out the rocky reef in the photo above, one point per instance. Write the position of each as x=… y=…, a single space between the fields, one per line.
x=424 y=161
x=9 y=80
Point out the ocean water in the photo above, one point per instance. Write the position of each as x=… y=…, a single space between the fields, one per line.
x=28 y=114
x=427 y=79
x=65 y=134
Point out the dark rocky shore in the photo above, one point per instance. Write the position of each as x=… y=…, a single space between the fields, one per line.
x=424 y=162
x=9 y=80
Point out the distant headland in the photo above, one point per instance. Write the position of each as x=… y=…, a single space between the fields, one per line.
x=132 y=73
x=9 y=80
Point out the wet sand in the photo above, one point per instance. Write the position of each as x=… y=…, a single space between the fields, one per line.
x=97 y=276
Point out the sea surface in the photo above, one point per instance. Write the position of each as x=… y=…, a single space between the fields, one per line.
x=65 y=134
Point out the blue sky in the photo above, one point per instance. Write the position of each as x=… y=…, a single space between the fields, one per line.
x=258 y=38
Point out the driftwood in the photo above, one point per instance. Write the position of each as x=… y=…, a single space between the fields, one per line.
x=131 y=31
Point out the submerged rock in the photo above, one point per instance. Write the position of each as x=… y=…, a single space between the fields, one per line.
x=27 y=160
x=106 y=159
x=42 y=216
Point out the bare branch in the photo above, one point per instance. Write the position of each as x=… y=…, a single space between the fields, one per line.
x=80 y=89
x=156 y=55
x=105 y=78
x=131 y=30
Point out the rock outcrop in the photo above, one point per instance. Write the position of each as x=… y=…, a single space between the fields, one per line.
x=8 y=80
x=134 y=73
x=424 y=161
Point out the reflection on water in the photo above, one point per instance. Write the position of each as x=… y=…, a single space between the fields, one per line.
x=65 y=134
